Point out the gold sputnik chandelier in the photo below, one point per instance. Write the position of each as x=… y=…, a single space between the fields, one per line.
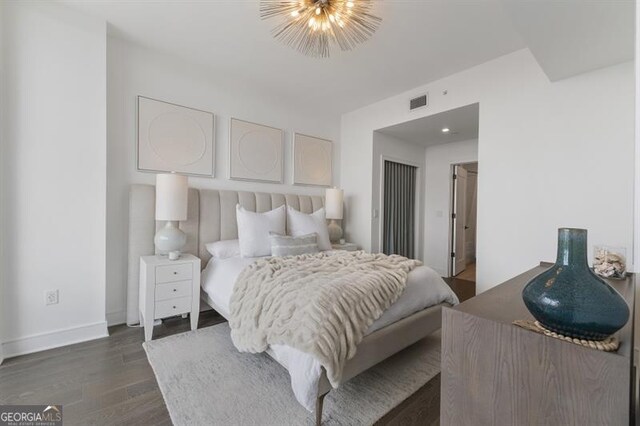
x=310 y=26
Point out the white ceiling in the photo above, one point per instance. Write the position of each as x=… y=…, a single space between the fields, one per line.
x=418 y=41
x=426 y=131
x=569 y=37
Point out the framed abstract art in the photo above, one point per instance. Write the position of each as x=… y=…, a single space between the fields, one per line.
x=174 y=138
x=312 y=160
x=255 y=152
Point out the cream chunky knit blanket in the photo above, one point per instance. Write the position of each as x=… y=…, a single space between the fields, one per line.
x=321 y=303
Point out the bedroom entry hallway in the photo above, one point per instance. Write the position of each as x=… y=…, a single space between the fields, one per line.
x=437 y=145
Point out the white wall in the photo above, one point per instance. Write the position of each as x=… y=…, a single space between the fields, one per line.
x=552 y=155
x=439 y=159
x=2 y=237
x=636 y=240
x=636 y=248
x=53 y=175
x=394 y=149
x=133 y=71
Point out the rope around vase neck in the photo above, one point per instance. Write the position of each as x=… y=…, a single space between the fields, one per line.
x=610 y=344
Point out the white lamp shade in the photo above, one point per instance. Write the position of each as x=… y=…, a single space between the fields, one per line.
x=333 y=203
x=171 y=197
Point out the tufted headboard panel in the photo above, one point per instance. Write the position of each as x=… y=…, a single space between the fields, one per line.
x=218 y=212
x=211 y=217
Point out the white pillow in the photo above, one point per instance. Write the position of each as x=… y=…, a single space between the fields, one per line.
x=302 y=224
x=224 y=249
x=254 y=228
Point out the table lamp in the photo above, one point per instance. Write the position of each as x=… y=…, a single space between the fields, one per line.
x=333 y=207
x=171 y=205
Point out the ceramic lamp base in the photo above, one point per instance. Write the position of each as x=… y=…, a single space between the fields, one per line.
x=335 y=231
x=170 y=239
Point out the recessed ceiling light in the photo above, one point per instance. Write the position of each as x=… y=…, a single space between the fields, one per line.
x=445 y=130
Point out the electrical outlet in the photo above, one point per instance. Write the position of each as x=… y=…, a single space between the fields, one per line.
x=51 y=297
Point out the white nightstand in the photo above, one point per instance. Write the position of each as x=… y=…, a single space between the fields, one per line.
x=345 y=246
x=168 y=288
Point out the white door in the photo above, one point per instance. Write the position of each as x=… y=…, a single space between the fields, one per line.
x=458 y=261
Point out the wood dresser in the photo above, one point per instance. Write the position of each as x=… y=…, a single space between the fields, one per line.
x=495 y=373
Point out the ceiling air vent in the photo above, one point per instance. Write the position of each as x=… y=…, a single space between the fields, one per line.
x=419 y=102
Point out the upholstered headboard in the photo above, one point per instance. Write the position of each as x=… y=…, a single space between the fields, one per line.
x=211 y=217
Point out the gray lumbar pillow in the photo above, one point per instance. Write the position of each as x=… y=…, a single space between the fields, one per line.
x=284 y=245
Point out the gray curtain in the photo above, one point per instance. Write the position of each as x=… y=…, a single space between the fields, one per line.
x=399 y=209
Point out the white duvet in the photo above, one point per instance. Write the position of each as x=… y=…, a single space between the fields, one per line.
x=424 y=288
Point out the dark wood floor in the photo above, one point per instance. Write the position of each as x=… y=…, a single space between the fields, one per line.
x=106 y=381
x=462 y=288
x=109 y=381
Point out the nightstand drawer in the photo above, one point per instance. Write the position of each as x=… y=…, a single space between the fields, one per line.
x=173 y=290
x=168 y=308
x=170 y=273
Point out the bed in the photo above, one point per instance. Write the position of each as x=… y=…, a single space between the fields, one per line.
x=211 y=217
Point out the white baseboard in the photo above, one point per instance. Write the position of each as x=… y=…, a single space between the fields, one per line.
x=116 y=318
x=54 y=339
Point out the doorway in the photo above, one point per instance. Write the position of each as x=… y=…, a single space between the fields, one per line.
x=464 y=202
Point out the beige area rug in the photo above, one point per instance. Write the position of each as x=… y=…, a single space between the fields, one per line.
x=206 y=381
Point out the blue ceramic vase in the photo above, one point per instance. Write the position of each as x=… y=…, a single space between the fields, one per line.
x=570 y=299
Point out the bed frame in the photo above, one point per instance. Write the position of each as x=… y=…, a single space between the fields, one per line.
x=374 y=348
x=212 y=217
